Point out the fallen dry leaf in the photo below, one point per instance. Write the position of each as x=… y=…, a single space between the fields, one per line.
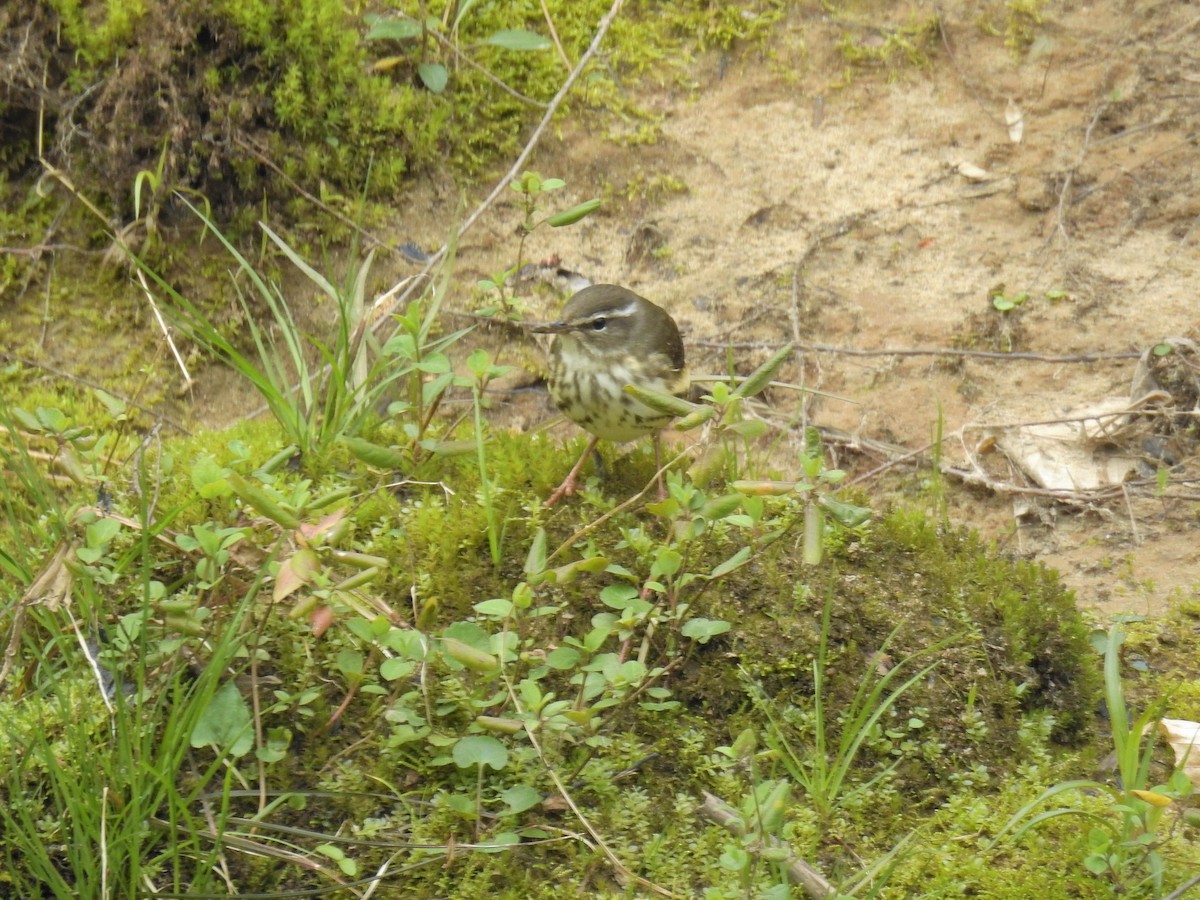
x=1184 y=738
x=1016 y=122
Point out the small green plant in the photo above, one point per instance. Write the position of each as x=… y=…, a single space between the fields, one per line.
x=482 y=371
x=149 y=187
x=1125 y=841
x=530 y=187
x=322 y=392
x=817 y=764
x=1006 y=303
x=1007 y=327
x=428 y=39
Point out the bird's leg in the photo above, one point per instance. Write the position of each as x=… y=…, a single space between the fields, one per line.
x=599 y=460
x=568 y=486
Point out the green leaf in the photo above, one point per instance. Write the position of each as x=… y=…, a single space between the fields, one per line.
x=225 y=723
x=375 y=454
x=703 y=630
x=463 y=8
x=618 y=596
x=631 y=672
x=762 y=376
x=574 y=214
x=720 y=507
x=350 y=662
x=501 y=841
x=732 y=563
x=115 y=406
x=814 y=534
x=1097 y=864
x=667 y=561
x=500 y=724
x=26 y=420
x=695 y=419
x=519 y=798
x=409 y=644
x=563 y=658
x=497 y=608
x=479 y=750
x=433 y=76
x=262 y=501
x=535 y=560
x=464 y=806
x=102 y=531
x=661 y=402
x=391 y=669
x=734 y=859
x=52 y=418
x=845 y=513
x=208 y=479
x=393 y=30
x=345 y=863
x=471 y=657
x=747 y=428
x=89 y=554
x=278 y=741
x=518 y=39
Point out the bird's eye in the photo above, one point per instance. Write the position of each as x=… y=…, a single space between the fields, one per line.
x=598 y=324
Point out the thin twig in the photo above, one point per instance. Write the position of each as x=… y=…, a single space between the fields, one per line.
x=799 y=871
x=554 y=36
x=97 y=672
x=187 y=378
x=1066 y=187
x=617 y=865
x=890 y=464
x=617 y=510
x=925 y=351
x=794 y=309
x=1183 y=888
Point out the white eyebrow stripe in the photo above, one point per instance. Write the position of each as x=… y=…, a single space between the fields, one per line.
x=621 y=313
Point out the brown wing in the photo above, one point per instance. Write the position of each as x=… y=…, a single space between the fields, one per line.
x=672 y=347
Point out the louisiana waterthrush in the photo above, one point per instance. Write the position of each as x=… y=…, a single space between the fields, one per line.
x=608 y=337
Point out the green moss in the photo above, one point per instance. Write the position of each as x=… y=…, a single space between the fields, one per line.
x=1016 y=668
x=893 y=49
x=1161 y=662
x=301 y=88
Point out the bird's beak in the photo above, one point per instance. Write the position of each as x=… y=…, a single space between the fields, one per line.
x=551 y=327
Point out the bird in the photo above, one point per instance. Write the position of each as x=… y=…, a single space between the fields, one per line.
x=608 y=337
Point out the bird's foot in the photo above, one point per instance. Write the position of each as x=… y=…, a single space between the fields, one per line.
x=566 y=489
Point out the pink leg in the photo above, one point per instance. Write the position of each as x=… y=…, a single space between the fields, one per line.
x=568 y=486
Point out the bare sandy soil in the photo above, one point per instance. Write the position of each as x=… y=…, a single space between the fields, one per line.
x=867 y=212
x=844 y=216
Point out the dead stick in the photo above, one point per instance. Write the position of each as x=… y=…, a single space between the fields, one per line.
x=799 y=872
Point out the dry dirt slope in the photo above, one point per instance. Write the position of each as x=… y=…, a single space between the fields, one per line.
x=836 y=211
